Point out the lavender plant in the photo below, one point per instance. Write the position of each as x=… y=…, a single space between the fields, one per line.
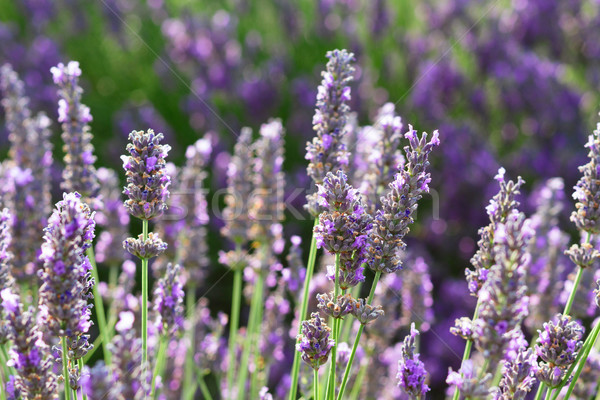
x=146 y=190
x=66 y=283
x=326 y=153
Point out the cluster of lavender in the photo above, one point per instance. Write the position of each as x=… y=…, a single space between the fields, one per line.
x=327 y=151
x=26 y=178
x=66 y=280
x=79 y=174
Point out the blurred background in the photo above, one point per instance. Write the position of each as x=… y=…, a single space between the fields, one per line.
x=507 y=83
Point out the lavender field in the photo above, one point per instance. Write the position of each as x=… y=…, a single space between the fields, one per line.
x=295 y=199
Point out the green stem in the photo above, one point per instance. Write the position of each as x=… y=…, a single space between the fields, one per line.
x=540 y=391
x=358 y=384
x=467 y=352
x=548 y=393
x=234 y=326
x=569 y=304
x=310 y=267
x=145 y=306
x=257 y=334
x=203 y=388
x=4 y=360
x=250 y=335
x=357 y=340
x=65 y=361
x=189 y=359
x=99 y=306
x=316 y=385
x=81 y=363
x=332 y=375
x=158 y=366
x=588 y=347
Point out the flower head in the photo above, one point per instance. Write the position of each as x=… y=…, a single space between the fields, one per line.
x=168 y=301
x=147 y=181
x=411 y=370
x=79 y=174
x=391 y=222
x=587 y=191
x=327 y=153
x=65 y=274
x=558 y=345
x=314 y=342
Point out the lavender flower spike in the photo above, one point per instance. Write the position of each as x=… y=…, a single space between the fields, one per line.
x=147 y=181
x=587 y=190
x=518 y=376
x=30 y=355
x=327 y=153
x=66 y=277
x=168 y=301
x=411 y=371
x=314 y=342
x=70 y=231
x=79 y=174
x=6 y=278
x=239 y=188
x=558 y=346
x=391 y=222
x=498 y=210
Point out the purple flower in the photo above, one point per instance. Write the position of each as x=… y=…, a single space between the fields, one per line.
x=30 y=355
x=27 y=173
x=342 y=226
x=558 y=345
x=518 y=376
x=79 y=174
x=68 y=235
x=145 y=249
x=391 y=222
x=503 y=297
x=498 y=210
x=468 y=383
x=314 y=342
x=168 y=302
x=587 y=190
x=266 y=204
x=411 y=370
x=239 y=189
x=147 y=191
x=326 y=152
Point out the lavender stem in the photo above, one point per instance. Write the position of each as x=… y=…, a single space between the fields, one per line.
x=189 y=360
x=336 y=324
x=234 y=324
x=204 y=388
x=316 y=385
x=468 y=347
x=144 y=305
x=255 y=306
x=99 y=305
x=160 y=358
x=312 y=255
x=65 y=361
x=81 y=363
x=357 y=340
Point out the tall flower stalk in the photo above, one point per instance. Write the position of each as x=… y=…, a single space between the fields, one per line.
x=390 y=225
x=325 y=153
x=66 y=282
x=147 y=183
x=237 y=226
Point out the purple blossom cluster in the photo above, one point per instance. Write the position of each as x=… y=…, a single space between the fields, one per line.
x=411 y=371
x=79 y=174
x=29 y=355
x=314 y=342
x=168 y=302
